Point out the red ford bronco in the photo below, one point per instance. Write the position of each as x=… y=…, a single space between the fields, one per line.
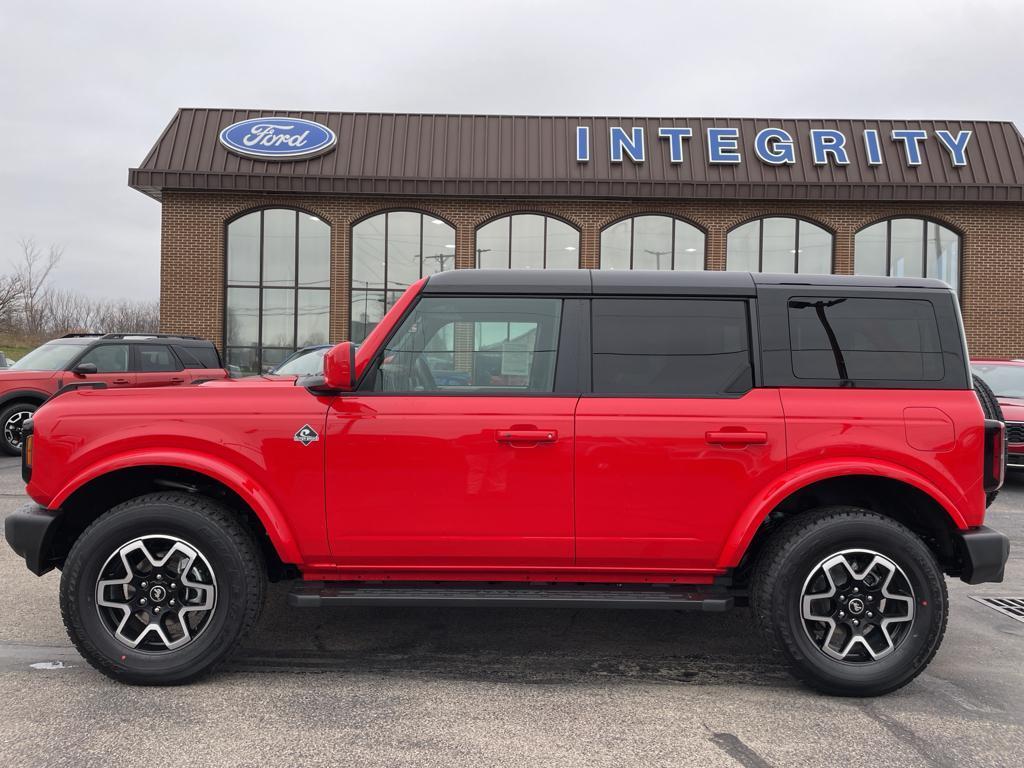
x=810 y=446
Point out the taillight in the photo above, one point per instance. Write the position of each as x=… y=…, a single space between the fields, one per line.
x=995 y=455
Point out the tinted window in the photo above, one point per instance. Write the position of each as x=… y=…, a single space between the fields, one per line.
x=502 y=345
x=108 y=358
x=671 y=347
x=864 y=339
x=154 y=358
x=198 y=357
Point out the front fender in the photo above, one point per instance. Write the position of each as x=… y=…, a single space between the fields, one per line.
x=805 y=475
x=251 y=492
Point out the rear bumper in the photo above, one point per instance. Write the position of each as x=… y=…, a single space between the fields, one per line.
x=984 y=553
x=30 y=531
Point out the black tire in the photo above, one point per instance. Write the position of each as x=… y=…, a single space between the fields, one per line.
x=990 y=407
x=10 y=430
x=788 y=563
x=236 y=571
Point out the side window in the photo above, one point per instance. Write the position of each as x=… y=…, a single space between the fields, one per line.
x=864 y=339
x=108 y=358
x=198 y=357
x=697 y=347
x=154 y=358
x=454 y=345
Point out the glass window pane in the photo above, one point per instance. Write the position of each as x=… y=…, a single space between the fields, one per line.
x=563 y=245
x=314 y=252
x=778 y=245
x=652 y=242
x=244 y=250
x=741 y=247
x=368 y=253
x=108 y=358
x=156 y=358
x=278 y=317
x=907 y=248
x=815 y=257
x=689 y=246
x=615 y=245
x=243 y=307
x=869 y=250
x=438 y=246
x=241 y=360
x=279 y=247
x=367 y=311
x=314 y=317
x=492 y=245
x=403 y=252
x=527 y=241
x=271 y=358
x=942 y=249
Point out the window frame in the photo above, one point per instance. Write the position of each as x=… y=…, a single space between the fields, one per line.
x=260 y=286
x=925 y=221
x=135 y=360
x=796 y=242
x=112 y=343
x=632 y=238
x=544 y=215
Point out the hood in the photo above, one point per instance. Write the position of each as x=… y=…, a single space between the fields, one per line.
x=1013 y=408
x=248 y=381
x=8 y=377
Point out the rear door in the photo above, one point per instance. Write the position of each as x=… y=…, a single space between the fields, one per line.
x=157 y=366
x=674 y=441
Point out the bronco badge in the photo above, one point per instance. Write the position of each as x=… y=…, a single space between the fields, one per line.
x=306 y=435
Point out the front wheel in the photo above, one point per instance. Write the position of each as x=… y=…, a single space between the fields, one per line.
x=11 y=420
x=855 y=601
x=161 y=588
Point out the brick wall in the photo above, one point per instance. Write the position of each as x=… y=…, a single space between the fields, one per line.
x=192 y=247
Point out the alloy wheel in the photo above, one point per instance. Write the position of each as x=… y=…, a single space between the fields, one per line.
x=12 y=428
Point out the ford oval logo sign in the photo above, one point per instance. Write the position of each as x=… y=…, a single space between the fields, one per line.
x=278 y=138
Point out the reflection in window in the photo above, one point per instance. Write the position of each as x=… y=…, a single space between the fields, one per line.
x=908 y=247
x=527 y=241
x=779 y=244
x=390 y=252
x=278 y=287
x=652 y=242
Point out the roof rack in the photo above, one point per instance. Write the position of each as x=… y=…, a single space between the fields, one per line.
x=80 y=335
x=130 y=336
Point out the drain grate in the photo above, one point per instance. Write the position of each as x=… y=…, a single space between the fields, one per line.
x=1008 y=606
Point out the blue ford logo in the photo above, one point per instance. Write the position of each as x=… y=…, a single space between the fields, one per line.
x=277 y=138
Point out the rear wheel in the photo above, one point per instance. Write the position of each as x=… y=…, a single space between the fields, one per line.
x=11 y=420
x=855 y=601
x=161 y=588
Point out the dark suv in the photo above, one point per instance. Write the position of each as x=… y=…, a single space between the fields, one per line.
x=116 y=359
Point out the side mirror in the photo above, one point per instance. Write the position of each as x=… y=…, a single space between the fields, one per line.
x=340 y=367
x=83 y=368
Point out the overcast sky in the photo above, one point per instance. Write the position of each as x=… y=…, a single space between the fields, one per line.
x=86 y=87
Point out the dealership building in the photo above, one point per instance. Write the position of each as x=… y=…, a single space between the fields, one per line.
x=282 y=229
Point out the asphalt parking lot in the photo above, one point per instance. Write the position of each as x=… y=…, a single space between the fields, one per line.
x=425 y=687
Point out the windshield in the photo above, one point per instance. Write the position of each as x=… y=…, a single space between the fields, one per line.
x=303 y=363
x=1004 y=380
x=49 y=357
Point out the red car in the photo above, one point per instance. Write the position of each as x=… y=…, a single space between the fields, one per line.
x=117 y=360
x=811 y=446
x=1006 y=380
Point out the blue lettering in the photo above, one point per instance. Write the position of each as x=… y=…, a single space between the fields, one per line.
x=675 y=138
x=957 y=147
x=582 y=144
x=825 y=142
x=911 y=144
x=723 y=145
x=873 y=147
x=634 y=145
x=774 y=146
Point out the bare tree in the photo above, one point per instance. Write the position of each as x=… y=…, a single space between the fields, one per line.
x=10 y=301
x=33 y=273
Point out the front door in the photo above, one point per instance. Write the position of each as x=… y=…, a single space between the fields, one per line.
x=674 y=442
x=457 y=449
x=113 y=365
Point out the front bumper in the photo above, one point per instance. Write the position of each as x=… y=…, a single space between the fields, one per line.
x=984 y=553
x=30 y=531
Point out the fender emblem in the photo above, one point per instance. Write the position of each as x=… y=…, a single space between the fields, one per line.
x=306 y=435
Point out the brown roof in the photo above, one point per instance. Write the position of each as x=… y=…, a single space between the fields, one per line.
x=522 y=156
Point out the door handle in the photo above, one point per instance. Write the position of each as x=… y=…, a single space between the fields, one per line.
x=736 y=438
x=526 y=436
x=177 y=380
x=121 y=381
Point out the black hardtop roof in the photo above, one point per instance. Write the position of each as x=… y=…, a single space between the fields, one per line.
x=595 y=281
x=89 y=338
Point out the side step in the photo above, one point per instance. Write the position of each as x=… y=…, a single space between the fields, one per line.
x=315 y=594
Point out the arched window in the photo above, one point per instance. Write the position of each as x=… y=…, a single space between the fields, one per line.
x=779 y=244
x=652 y=242
x=527 y=241
x=278 y=287
x=390 y=252
x=908 y=247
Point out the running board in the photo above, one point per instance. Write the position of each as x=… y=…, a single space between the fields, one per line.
x=315 y=594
